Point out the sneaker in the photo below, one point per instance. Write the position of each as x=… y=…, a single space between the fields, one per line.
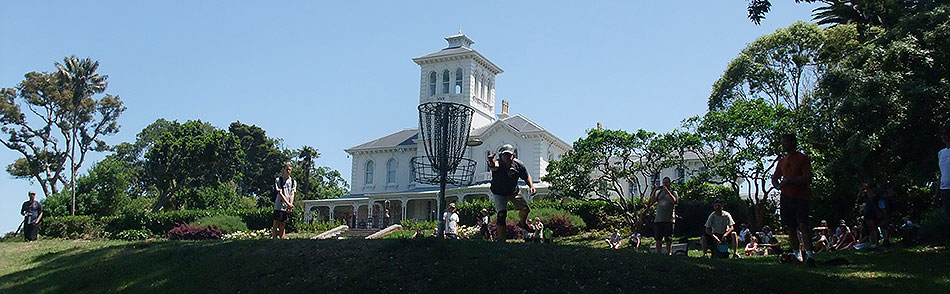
x=798 y=255
x=810 y=262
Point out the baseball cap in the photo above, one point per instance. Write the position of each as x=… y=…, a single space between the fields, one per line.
x=506 y=148
x=452 y=205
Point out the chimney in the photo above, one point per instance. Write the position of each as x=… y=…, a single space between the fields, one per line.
x=504 y=107
x=600 y=127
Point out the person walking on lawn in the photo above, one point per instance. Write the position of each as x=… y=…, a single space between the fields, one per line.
x=505 y=173
x=793 y=177
x=32 y=212
x=451 y=220
x=284 y=204
x=665 y=200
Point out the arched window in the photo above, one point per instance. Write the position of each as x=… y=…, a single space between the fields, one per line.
x=412 y=172
x=478 y=86
x=368 y=179
x=445 y=81
x=432 y=81
x=487 y=153
x=458 y=81
x=391 y=171
x=488 y=89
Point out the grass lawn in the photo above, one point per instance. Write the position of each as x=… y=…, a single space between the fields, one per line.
x=430 y=265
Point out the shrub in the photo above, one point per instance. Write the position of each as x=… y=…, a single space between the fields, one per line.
x=413 y=225
x=72 y=227
x=226 y=223
x=133 y=235
x=513 y=231
x=187 y=232
x=561 y=226
x=934 y=225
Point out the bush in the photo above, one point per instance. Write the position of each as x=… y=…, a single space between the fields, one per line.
x=133 y=235
x=934 y=225
x=513 y=231
x=413 y=225
x=226 y=223
x=594 y=213
x=187 y=232
x=72 y=227
x=561 y=226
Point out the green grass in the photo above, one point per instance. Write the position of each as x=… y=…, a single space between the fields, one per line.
x=431 y=265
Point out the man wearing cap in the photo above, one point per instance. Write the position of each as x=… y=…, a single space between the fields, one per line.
x=505 y=173
x=451 y=220
x=32 y=212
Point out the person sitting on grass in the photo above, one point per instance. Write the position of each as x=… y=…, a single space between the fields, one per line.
x=752 y=248
x=744 y=234
x=767 y=240
x=529 y=232
x=538 y=229
x=719 y=230
x=846 y=240
x=635 y=239
x=614 y=240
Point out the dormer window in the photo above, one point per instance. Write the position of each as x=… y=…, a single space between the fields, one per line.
x=432 y=82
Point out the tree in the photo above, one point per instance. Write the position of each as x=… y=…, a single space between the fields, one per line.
x=745 y=139
x=65 y=120
x=781 y=68
x=600 y=165
x=192 y=155
x=316 y=182
x=263 y=160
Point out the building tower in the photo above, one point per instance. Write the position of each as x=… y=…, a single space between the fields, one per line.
x=459 y=74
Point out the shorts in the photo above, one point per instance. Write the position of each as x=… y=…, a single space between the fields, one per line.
x=710 y=240
x=281 y=216
x=664 y=229
x=794 y=212
x=945 y=198
x=501 y=202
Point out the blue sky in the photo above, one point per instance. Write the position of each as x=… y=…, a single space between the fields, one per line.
x=334 y=74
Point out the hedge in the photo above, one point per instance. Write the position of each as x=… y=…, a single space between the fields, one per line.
x=73 y=227
x=595 y=214
x=160 y=223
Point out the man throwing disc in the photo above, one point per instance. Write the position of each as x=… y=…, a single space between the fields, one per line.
x=505 y=173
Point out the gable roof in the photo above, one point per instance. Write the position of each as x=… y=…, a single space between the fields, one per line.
x=401 y=138
x=522 y=124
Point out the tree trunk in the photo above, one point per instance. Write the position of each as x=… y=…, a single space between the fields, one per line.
x=165 y=197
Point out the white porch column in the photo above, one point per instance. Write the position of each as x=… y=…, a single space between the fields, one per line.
x=306 y=212
x=404 y=202
x=332 y=208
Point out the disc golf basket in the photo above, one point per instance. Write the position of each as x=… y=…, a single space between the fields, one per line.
x=444 y=128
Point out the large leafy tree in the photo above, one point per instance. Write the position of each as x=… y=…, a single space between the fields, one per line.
x=192 y=155
x=62 y=121
x=602 y=165
x=262 y=162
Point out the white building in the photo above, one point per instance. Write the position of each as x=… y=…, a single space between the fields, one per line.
x=382 y=178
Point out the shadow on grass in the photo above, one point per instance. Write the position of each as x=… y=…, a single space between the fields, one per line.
x=432 y=265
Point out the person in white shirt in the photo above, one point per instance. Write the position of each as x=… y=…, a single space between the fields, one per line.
x=719 y=230
x=744 y=234
x=284 y=203
x=451 y=220
x=943 y=159
x=614 y=241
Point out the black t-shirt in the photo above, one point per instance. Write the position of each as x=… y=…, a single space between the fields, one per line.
x=32 y=210
x=504 y=179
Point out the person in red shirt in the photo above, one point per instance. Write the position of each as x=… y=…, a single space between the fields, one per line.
x=793 y=177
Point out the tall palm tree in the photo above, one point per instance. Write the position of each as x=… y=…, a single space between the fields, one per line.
x=79 y=76
x=307 y=156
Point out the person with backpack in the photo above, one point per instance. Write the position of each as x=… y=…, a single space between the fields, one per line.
x=284 y=202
